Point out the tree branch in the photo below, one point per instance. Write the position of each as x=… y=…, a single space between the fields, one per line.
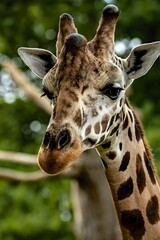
x=30 y=159
x=16 y=157
x=16 y=175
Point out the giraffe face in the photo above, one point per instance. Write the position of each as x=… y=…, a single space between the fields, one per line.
x=86 y=94
x=86 y=83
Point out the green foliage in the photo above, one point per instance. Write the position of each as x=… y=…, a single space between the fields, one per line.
x=37 y=211
x=43 y=210
x=23 y=124
x=139 y=19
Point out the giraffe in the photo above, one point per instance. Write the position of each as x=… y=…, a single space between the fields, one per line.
x=86 y=83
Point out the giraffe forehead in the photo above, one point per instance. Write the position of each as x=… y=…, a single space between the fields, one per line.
x=82 y=71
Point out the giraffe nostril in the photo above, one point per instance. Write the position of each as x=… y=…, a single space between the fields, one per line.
x=46 y=139
x=63 y=139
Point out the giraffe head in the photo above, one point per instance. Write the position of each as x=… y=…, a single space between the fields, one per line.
x=86 y=83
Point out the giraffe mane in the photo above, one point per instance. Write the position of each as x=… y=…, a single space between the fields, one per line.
x=141 y=133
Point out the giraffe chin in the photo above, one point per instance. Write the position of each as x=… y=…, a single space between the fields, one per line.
x=54 y=161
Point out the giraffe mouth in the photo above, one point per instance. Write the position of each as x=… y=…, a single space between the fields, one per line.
x=53 y=160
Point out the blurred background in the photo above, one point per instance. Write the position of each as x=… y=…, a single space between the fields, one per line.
x=43 y=209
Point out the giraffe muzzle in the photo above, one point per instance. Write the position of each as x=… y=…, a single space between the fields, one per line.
x=58 y=151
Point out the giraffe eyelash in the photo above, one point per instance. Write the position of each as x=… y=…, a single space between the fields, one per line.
x=112 y=91
x=49 y=95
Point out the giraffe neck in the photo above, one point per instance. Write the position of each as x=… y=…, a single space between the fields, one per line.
x=134 y=184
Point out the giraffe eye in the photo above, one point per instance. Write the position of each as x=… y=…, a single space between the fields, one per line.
x=113 y=92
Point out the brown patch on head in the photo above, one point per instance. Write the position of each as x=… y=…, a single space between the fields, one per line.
x=101 y=140
x=152 y=210
x=117 y=117
x=94 y=113
x=111 y=122
x=88 y=130
x=104 y=122
x=90 y=142
x=141 y=178
x=97 y=128
x=66 y=103
x=72 y=95
x=134 y=222
x=91 y=99
x=85 y=87
x=54 y=161
x=60 y=114
x=77 y=118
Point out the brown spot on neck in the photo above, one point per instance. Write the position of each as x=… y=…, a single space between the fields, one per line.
x=125 y=189
x=149 y=168
x=125 y=162
x=152 y=210
x=120 y=146
x=114 y=130
x=139 y=133
x=148 y=157
x=125 y=124
x=134 y=222
x=129 y=134
x=111 y=155
x=130 y=115
x=140 y=174
x=106 y=145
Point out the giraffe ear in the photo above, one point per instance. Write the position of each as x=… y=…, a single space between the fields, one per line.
x=40 y=61
x=141 y=59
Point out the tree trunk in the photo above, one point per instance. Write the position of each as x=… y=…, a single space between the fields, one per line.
x=94 y=213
